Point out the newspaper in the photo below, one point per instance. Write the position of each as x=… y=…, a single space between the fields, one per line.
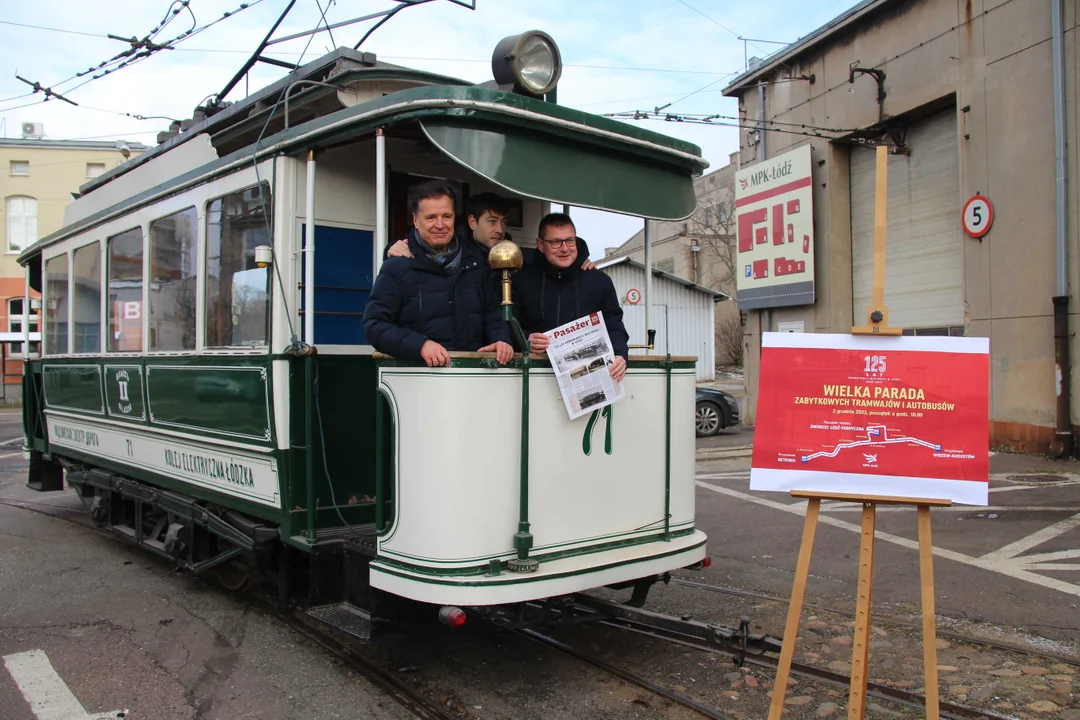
x=581 y=355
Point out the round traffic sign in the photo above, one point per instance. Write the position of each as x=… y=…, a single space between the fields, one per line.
x=978 y=216
x=633 y=296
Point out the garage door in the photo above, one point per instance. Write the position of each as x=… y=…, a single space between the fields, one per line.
x=923 y=257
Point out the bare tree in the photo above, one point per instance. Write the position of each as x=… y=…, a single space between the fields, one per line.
x=713 y=225
x=729 y=338
x=714 y=228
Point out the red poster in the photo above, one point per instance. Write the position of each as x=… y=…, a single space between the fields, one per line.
x=898 y=416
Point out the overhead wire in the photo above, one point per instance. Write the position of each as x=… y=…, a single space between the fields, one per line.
x=591 y=66
x=130 y=57
x=706 y=121
x=323 y=14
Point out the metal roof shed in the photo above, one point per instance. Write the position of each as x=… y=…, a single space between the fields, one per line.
x=683 y=312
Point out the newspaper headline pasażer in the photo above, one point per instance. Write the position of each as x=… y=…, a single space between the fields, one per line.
x=581 y=355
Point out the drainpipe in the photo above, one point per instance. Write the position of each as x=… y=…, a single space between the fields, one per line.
x=766 y=313
x=1063 y=439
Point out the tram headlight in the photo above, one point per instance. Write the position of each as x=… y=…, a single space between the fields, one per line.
x=529 y=62
x=264 y=256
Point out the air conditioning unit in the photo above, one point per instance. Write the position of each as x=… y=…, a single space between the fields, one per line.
x=33 y=131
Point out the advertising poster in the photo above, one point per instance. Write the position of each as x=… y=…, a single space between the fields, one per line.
x=581 y=355
x=897 y=416
x=774 y=209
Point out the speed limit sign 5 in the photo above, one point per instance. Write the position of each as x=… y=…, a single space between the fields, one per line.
x=978 y=216
x=633 y=296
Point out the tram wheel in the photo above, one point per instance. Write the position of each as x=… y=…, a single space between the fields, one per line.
x=233 y=575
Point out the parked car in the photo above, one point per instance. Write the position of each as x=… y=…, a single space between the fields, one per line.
x=714 y=411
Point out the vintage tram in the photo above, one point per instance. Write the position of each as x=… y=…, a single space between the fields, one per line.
x=205 y=384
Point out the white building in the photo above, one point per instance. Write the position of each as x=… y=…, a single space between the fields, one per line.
x=682 y=312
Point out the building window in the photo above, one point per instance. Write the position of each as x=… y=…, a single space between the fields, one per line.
x=237 y=290
x=15 y=321
x=21 y=223
x=666 y=265
x=950 y=331
x=87 y=299
x=709 y=217
x=173 y=269
x=94 y=169
x=19 y=167
x=56 y=305
x=125 y=291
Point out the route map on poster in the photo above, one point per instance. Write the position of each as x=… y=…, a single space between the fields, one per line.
x=898 y=416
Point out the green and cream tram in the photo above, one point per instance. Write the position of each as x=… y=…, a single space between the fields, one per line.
x=206 y=386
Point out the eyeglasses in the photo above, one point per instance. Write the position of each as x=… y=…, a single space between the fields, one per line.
x=555 y=244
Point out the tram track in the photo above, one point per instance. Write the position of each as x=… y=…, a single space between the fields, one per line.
x=399 y=692
x=422 y=707
x=884 y=620
x=626 y=675
x=878 y=691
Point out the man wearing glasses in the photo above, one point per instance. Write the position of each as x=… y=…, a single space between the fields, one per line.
x=554 y=290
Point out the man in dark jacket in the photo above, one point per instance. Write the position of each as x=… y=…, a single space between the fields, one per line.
x=554 y=290
x=441 y=299
x=486 y=226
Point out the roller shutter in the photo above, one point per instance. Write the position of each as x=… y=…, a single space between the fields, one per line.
x=924 y=251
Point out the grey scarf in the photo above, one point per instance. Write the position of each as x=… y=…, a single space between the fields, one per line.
x=449 y=260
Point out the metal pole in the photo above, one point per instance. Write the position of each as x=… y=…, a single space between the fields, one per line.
x=523 y=538
x=309 y=253
x=26 y=315
x=1059 y=148
x=380 y=202
x=1063 y=441
x=650 y=231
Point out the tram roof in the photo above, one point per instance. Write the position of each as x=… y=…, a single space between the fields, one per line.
x=338 y=67
x=546 y=151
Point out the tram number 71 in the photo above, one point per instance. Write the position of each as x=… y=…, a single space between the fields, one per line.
x=586 y=439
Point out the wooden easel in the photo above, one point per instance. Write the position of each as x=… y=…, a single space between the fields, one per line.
x=877 y=318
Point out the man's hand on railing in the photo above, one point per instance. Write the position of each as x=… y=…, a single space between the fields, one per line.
x=434 y=354
x=503 y=352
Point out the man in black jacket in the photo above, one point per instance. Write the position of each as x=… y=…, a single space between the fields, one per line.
x=486 y=226
x=443 y=298
x=554 y=290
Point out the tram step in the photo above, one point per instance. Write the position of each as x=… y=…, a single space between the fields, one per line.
x=344 y=617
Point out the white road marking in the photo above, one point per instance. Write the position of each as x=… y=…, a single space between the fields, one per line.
x=45 y=691
x=1013 y=570
x=12 y=441
x=1040 y=486
x=11 y=455
x=1059 y=555
x=1024 y=544
x=850 y=508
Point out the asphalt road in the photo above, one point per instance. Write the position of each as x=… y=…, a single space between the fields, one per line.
x=122 y=631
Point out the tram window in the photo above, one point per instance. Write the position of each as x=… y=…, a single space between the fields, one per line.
x=237 y=290
x=173 y=268
x=87 y=272
x=56 y=304
x=125 y=291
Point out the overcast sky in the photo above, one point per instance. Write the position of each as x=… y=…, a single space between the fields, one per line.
x=619 y=55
